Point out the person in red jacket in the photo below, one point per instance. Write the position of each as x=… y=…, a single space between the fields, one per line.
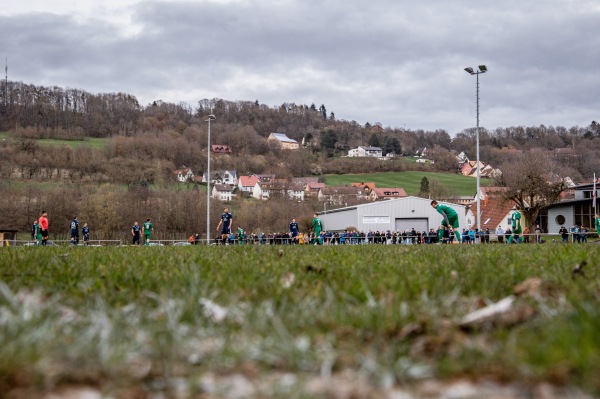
x=43 y=223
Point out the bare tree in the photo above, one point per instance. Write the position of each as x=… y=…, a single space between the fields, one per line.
x=533 y=180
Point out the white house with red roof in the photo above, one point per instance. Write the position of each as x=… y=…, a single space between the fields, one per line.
x=184 y=175
x=381 y=193
x=247 y=183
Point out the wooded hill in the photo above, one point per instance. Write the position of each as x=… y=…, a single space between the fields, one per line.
x=159 y=137
x=123 y=168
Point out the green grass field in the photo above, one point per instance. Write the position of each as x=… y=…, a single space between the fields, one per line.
x=410 y=181
x=184 y=322
x=93 y=142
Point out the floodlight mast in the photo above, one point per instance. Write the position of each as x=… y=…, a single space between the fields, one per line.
x=211 y=117
x=470 y=71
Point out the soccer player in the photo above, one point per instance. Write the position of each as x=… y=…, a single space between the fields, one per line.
x=317 y=227
x=597 y=224
x=294 y=231
x=43 y=223
x=225 y=225
x=135 y=232
x=74 y=231
x=147 y=230
x=450 y=217
x=85 y=231
x=35 y=232
x=516 y=226
x=241 y=237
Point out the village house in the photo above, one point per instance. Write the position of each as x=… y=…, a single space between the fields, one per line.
x=363 y=151
x=495 y=212
x=184 y=175
x=578 y=210
x=284 y=141
x=366 y=187
x=223 y=192
x=469 y=168
x=312 y=189
x=221 y=177
x=305 y=180
x=246 y=183
x=378 y=193
x=278 y=188
x=341 y=195
x=220 y=149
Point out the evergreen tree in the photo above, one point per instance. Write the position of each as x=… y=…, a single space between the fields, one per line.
x=424 y=190
x=391 y=145
x=374 y=141
x=328 y=140
x=323 y=111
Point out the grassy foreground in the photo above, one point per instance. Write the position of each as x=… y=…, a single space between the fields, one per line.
x=136 y=320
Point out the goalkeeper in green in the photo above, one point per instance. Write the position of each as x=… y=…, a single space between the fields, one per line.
x=450 y=217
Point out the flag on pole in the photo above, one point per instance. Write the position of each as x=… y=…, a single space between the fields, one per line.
x=594 y=193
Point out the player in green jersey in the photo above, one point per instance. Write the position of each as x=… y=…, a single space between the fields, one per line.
x=450 y=217
x=147 y=230
x=597 y=224
x=516 y=226
x=317 y=227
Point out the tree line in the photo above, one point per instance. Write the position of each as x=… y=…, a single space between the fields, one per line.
x=54 y=112
x=143 y=145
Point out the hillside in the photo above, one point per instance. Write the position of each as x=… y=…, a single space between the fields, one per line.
x=410 y=181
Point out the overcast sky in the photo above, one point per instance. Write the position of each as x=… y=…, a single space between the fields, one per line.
x=396 y=62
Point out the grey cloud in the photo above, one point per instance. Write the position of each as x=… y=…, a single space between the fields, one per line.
x=394 y=62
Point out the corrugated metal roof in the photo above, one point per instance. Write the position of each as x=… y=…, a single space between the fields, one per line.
x=283 y=138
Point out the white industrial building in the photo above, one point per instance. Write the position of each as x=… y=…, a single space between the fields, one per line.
x=395 y=214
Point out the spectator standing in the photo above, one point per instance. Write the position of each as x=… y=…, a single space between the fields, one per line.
x=500 y=234
x=507 y=235
x=44 y=226
x=472 y=236
x=35 y=232
x=526 y=234
x=583 y=234
x=564 y=234
x=575 y=234
x=538 y=234
x=85 y=232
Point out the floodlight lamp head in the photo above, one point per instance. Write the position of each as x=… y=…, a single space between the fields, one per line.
x=211 y=117
x=483 y=68
x=469 y=70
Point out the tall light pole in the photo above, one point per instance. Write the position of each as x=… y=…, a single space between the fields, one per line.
x=470 y=71
x=211 y=117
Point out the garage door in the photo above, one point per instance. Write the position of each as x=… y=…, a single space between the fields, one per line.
x=419 y=224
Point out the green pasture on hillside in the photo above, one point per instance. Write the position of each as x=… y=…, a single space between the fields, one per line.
x=410 y=181
x=170 y=322
x=93 y=142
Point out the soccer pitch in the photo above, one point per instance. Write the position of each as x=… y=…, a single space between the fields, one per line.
x=187 y=321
